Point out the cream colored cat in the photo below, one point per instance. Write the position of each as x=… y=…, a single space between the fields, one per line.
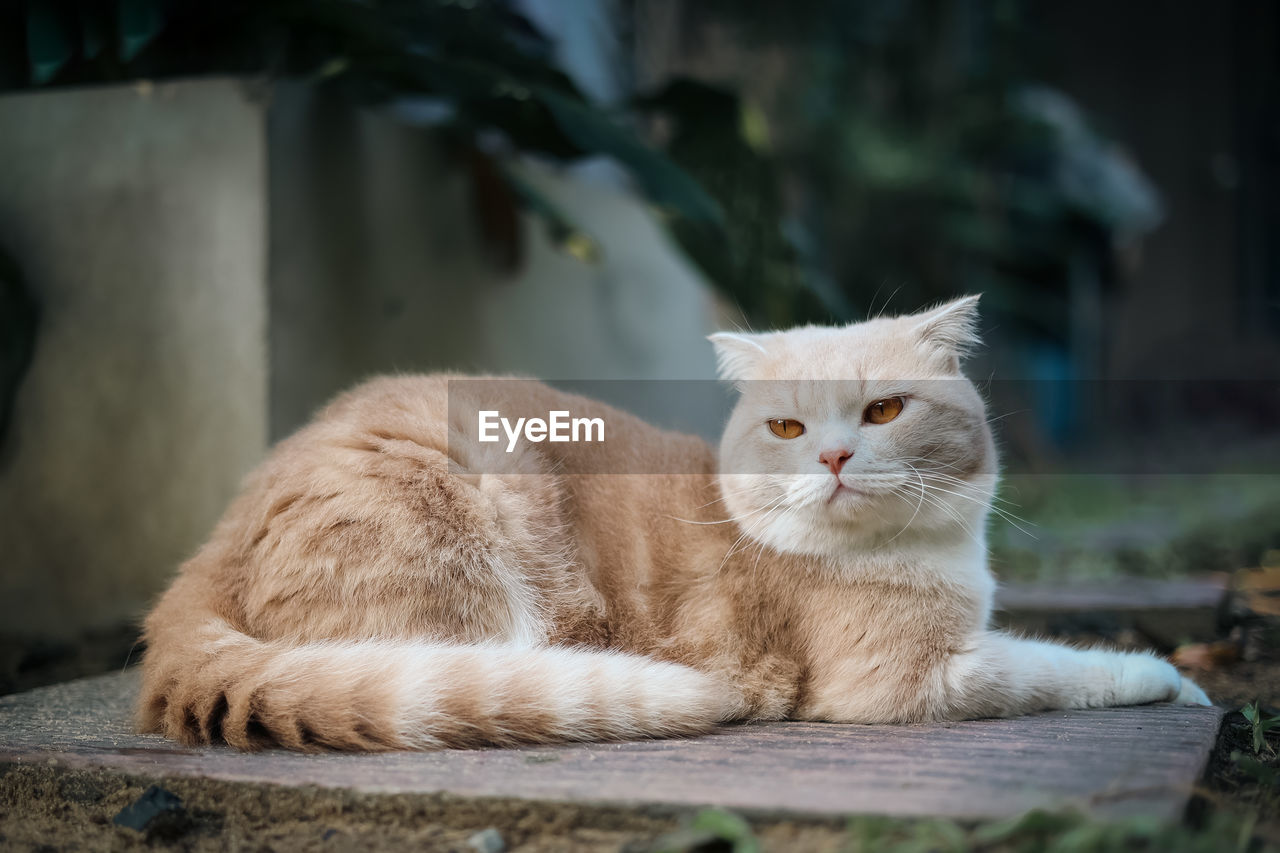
x=383 y=583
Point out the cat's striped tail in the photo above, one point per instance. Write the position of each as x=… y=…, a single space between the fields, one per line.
x=217 y=684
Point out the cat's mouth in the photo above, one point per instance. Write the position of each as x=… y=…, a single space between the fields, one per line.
x=842 y=491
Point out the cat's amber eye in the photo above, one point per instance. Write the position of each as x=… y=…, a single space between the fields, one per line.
x=883 y=411
x=786 y=428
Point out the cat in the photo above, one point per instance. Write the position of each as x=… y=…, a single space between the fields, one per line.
x=382 y=584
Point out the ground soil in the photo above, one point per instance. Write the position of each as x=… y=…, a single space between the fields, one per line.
x=1240 y=779
x=46 y=809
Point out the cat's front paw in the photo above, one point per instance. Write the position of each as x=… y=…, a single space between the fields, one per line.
x=1191 y=694
x=1147 y=678
x=1144 y=678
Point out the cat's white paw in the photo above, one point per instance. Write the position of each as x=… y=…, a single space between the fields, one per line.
x=1145 y=678
x=1191 y=694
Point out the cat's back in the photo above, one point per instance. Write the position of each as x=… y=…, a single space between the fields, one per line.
x=415 y=434
x=445 y=412
x=377 y=517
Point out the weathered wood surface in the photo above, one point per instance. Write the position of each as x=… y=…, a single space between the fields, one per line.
x=1166 y=611
x=1113 y=761
x=1125 y=594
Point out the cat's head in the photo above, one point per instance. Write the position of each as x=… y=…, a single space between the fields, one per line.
x=859 y=435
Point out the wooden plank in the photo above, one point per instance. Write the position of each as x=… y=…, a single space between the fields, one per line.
x=1116 y=761
x=1167 y=611
x=1120 y=594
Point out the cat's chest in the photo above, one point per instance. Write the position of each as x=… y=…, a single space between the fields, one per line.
x=874 y=643
x=841 y=623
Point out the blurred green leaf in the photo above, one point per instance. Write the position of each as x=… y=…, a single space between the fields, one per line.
x=565 y=233
x=93 y=28
x=140 y=22
x=662 y=180
x=755 y=259
x=494 y=75
x=711 y=829
x=1035 y=821
x=727 y=826
x=1259 y=725
x=48 y=45
x=1253 y=767
x=877 y=156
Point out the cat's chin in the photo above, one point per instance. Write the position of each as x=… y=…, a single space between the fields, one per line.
x=847 y=521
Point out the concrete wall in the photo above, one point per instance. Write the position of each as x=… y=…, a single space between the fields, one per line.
x=212 y=269
x=376 y=265
x=138 y=220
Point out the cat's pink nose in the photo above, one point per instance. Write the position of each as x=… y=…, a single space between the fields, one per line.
x=835 y=458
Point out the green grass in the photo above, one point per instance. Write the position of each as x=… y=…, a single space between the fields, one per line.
x=1108 y=525
x=1054 y=832
x=1033 y=832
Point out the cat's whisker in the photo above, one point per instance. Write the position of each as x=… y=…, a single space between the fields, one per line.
x=722 y=521
x=950 y=512
x=984 y=498
x=777 y=509
x=1011 y=519
x=748 y=536
x=755 y=567
x=974 y=490
x=936 y=502
x=1005 y=514
x=988 y=494
x=931 y=461
x=760 y=489
x=1007 y=415
x=942 y=506
x=919 y=504
x=933 y=471
x=749 y=529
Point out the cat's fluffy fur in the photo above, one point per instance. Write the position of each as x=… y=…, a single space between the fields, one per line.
x=363 y=594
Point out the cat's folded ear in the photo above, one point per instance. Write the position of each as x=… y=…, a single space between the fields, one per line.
x=951 y=329
x=738 y=354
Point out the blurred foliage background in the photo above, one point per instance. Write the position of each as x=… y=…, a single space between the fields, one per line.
x=917 y=158
x=823 y=160
x=912 y=156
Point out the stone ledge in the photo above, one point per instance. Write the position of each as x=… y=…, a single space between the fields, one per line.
x=1112 y=762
